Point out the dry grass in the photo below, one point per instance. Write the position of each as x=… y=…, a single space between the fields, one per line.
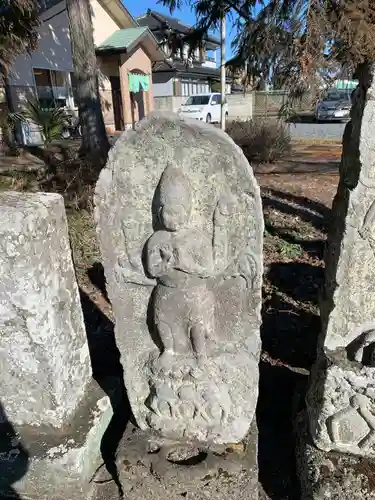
x=83 y=240
x=75 y=180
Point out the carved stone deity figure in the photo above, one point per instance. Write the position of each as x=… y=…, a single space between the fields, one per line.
x=181 y=259
x=180 y=227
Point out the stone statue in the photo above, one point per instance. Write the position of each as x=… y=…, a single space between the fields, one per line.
x=181 y=259
x=181 y=237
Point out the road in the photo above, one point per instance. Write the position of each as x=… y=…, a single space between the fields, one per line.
x=317 y=130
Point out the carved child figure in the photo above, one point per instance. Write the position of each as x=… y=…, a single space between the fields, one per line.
x=181 y=259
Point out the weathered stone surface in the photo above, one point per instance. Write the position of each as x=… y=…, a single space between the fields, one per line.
x=331 y=475
x=152 y=470
x=40 y=463
x=341 y=399
x=44 y=357
x=180 y=226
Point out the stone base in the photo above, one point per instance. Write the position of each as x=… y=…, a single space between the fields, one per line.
x=340 y=404
x=331 y=475
x=47 y=464
x=151 y=468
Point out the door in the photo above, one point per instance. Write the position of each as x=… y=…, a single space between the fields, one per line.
x=215 y=106
x=118 y=114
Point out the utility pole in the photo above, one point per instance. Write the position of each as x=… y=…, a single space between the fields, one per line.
x=222 y=70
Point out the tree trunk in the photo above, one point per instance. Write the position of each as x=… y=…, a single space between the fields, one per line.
x=11 y=135
x=94 y=137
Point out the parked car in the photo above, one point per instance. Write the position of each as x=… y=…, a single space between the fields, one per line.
x=205 y=107
x=334 y=107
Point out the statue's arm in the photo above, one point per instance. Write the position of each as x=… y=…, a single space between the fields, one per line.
x=160 y=256
x=129 y=267
x=126 y=271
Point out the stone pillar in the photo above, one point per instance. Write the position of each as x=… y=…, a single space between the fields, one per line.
x=181 y=234
x=44 y=357
x=341 y=398
x=52 y=417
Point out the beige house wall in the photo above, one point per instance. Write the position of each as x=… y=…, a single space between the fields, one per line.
x=103 y=23
x=135 y=62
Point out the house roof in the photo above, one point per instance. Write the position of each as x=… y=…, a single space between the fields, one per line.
x=157 y=22
x=183 y=69
x=125 y=40
x=122 y=39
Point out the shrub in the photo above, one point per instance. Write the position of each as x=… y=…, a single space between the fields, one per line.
x=49 y=120
x=262 y=141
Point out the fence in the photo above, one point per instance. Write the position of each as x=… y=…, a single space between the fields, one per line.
x=239 y=106
x=269 y=104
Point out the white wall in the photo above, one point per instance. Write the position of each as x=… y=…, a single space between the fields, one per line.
x=162 y=84
x=240 y=106
x=102 y=22
x=54 y=48
x=169 y=103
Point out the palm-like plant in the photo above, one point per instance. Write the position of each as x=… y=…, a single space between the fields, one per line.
x=8 y=122
x=49 y=120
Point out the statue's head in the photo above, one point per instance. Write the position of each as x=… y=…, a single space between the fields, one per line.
x=175 y=199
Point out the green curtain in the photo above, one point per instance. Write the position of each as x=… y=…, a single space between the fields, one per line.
x=138 y=82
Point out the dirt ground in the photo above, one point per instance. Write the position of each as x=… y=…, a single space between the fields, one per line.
x=297 y=198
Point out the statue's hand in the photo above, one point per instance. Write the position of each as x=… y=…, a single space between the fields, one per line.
x=124 y=271
x=161 y=259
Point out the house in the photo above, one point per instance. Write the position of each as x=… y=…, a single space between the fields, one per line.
x=183 y=74
x=125 y=52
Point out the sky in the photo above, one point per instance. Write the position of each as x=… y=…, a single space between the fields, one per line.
x=138 y=7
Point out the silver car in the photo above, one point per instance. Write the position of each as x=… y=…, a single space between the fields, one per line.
x=334 y=107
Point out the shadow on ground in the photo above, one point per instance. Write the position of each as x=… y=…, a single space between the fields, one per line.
x=108 y=372
x=289 y=332
x=301 y=118
x=308 y=118
x=298 y=166
x=14 y=458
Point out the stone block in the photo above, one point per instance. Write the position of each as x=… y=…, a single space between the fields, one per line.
x=44 y=357
x=150 y=469
x=331 y=475
x=52 y=416
x=341 y=399
x=180 y=227
x=341 y=402
x=40 y=463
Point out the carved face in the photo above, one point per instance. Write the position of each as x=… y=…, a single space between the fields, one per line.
x=175 y=199
x=174 y=216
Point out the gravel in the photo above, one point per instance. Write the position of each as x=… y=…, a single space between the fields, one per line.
x=317 y=130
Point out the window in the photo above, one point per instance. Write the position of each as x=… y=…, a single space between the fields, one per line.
x=185 y=88
x=215 y=99
x=51 y=87
x=198 y=100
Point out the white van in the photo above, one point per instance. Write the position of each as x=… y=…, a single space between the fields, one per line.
x=205 y=107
